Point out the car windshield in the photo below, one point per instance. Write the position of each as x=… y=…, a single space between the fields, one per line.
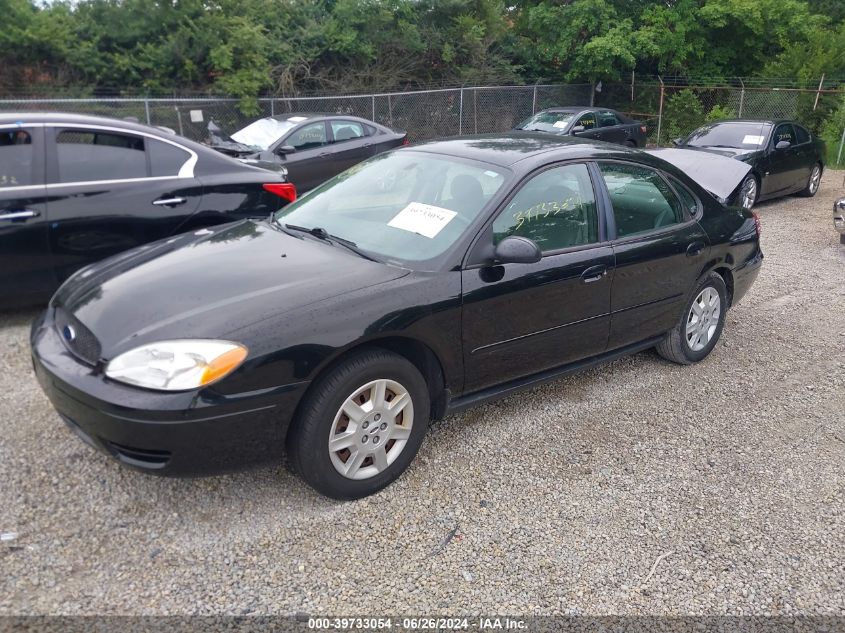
x=739 y=135
x=262 y=133
x=401 y=207
x=548 y=122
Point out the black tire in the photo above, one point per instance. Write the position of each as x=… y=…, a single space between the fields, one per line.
x=842 y=238
x=812 y=187
x=749 y=181
x=675 y=347
x=307 y=442
x=631 y=143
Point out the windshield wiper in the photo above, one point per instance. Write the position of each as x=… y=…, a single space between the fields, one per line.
x=321 y=233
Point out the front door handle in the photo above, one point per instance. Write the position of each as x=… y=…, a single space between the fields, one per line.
x=23 y=214
x=169 y=202
x=695 y=249
x=594 y=273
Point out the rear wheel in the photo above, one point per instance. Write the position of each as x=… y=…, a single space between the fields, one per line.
x=749 y=191
x=631 y=142
x=698 y=331
x=360 y=425
x=813 y=182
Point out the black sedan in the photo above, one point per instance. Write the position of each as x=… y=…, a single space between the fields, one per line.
x=76 y=189
x=419 y=283
x=312 y=147
x=601 y=124
x=784 y=156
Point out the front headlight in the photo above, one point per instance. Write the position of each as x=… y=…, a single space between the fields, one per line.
x=177 y=365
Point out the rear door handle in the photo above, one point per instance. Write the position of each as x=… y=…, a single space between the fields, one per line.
x=23 y=214
x=594 y=273
x=695 y=249
x=169 y=202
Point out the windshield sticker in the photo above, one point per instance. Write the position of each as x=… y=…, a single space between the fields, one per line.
x=424 y=219
x=296 y=119
x=560 y=124
x=751 y=139
x=491 y=174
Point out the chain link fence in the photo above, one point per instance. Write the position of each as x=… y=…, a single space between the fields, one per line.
x=669 y=111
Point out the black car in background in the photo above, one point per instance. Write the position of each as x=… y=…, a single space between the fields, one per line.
x=426 y=281
x=601 y=124
x=785 y=157
x=312 y=147
x=76 y=189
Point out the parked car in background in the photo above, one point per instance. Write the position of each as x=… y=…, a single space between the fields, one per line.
x=76 y=189
x=601 y=124
x=785 y=157
x=426 y=281
x=312 y=147
x=839 y=218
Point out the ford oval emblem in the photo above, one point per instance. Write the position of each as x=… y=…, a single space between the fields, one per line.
x=69 y=333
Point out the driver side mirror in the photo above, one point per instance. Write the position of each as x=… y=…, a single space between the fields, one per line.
x=516 y=249
x=783 y=145
x=677 y=142
x=286 y=149
x=578 y=129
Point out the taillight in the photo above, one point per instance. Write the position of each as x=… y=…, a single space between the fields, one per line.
x=757 y=226
x=405 y=141
x=284 y=190
x=644 y=129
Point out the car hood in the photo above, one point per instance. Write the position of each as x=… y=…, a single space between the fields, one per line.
x=209 y=283
x=718 y=174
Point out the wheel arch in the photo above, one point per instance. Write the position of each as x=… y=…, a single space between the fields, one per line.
x=418 y=353
x=723 y=268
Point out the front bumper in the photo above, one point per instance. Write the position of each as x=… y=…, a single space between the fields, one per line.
x=185 y=433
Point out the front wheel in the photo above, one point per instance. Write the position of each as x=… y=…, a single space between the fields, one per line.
x=360 y=425
x=749 y=191
x=695 y=336
x=813 y=182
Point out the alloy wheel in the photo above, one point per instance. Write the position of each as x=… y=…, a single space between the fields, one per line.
x=748 y=195
x=703 y=319
x=815 y=179
x=371 y=429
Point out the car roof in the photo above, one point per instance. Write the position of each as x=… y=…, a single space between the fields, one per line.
x=571 y=109
x=211 y=160
x=315 y=116
x=69 y=118
x=753 y=121
x=24 y=118
x=507 y=149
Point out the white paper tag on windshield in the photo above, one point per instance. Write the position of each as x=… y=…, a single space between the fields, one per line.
x=560 y=124
x=751 y=139
x=424 y=219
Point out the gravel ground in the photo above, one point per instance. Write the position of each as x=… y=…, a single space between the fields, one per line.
x=639 y=487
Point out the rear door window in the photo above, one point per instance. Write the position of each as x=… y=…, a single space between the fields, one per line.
x=92 y=155
x=642 y=201
x=608 y=119
x=801 y=135
x=166 y=159
x=346 y=131
x=16 y=158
